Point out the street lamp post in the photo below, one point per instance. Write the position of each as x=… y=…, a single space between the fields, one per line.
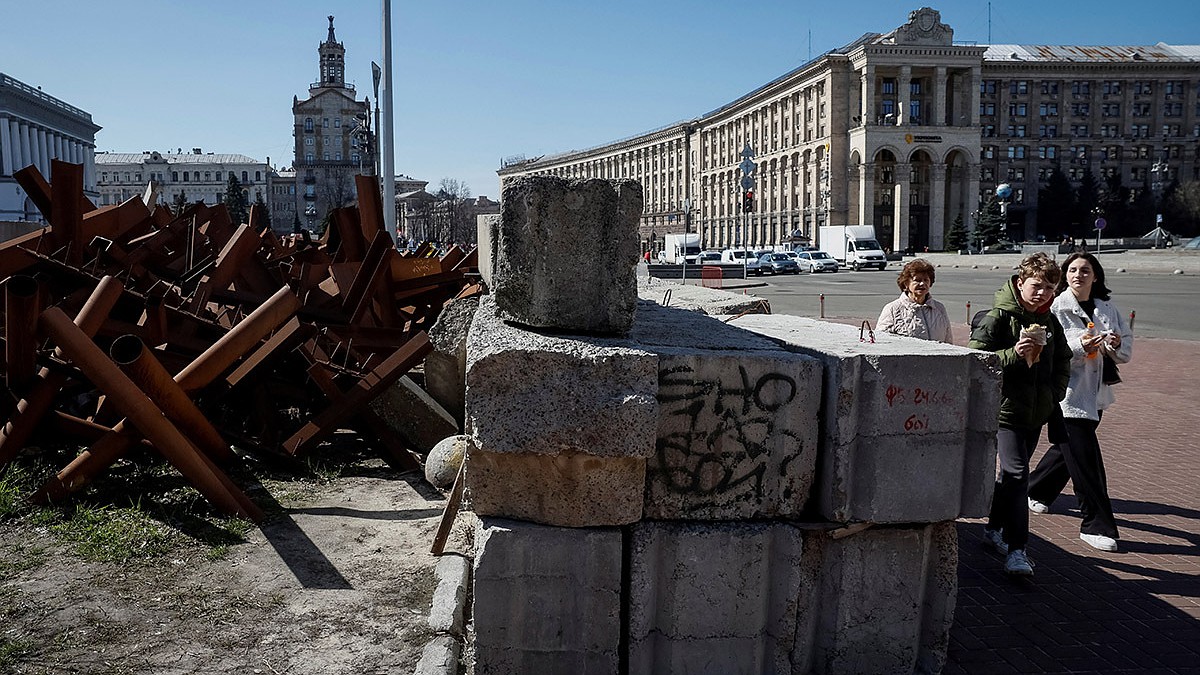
x=1160 y=171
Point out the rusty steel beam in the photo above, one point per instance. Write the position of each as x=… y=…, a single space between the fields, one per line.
x=371 y=276
x=384 y=375
x=146 y=417
x=137 y=361
x=36 y=188
x=30 y=410
x=22 y=304
x=346 y=236
x=370 y=206
x=67 y=216
x=284 y=340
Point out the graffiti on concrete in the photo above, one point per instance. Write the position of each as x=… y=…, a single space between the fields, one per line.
x=918 y=397
x=725 y=437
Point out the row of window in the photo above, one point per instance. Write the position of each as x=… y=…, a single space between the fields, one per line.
x=336 y=157
x=1050 y=109
x=1081 y=152
x=188 y=176
x=310 y=123
x=1171 y=88
x=1083 y=130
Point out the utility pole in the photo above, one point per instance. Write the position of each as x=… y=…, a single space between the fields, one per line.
x=386 y=145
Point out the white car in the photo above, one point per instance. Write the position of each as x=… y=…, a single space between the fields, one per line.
x=817 y=261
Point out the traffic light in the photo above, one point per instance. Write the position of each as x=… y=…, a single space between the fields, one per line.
x=748 y=201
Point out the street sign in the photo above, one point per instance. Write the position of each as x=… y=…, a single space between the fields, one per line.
x=747 y=166
x=1100 y=223
x=747 y=182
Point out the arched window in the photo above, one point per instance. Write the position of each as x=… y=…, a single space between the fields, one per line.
x=244 y=177
x=257 y=175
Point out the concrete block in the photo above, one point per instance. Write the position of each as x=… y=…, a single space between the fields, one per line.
x=700 y=299
x=529 y=392
x=484 y=250
x=737 y=434
x=567 y=489
x=446 y=365
x=902 y=440
x=546 y=599
x=564 y=253
x=413 y=414
x=450 y=596
x=440 y=656
x=713 y=598
x=884 y=603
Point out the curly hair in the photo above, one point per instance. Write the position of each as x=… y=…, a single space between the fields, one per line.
x=912 y=269
x=1039 y=265
x=1099 y=288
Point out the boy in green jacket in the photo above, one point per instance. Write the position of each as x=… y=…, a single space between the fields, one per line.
x=1035 y=380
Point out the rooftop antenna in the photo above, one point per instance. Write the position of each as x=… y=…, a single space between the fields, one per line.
x=989 y=23
x=810 y=44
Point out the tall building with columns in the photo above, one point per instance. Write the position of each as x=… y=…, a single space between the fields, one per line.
x=34 y=129
x=907 y=131
x=333 y=139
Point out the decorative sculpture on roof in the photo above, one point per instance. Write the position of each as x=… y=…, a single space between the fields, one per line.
x=924 y=27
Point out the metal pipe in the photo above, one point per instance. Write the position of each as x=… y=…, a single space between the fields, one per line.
x=387 y=135
x=142 y=413
x=138 y=362
x=239 y=340
x=21 y=307
x=30 y=410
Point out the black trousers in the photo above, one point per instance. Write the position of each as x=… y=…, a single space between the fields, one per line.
x=1010 y=512
x=1079 y=460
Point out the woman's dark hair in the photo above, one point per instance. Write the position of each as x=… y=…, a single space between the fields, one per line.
x=1099 y=289
x=912 y=269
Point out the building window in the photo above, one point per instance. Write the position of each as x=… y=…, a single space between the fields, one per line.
x=324 y=122
x=185 y=176
x=1081 y=109
x=1081 y=88
x=987 y=109
x=207 y=175
x=914 y=87
x=308 y=140
x=989 y=130
x=1170 y=130
x=1139 y=130
x=1018 y=87
x=988 y=87
x=337 y=156
x=1016 y=152
x=888 y=86
x=1016 y=130
x=1050 y=89
x=1143 y=88
x=1112 y=109
x=988 y=151
x=1045 y=109
x=1080 y=130
x=218 y=175
x=1048 y=152
x=244 y=177
x=1048 y=130
x=914 y=112
x=987 y=173
x=257 y=176
x=1080 y=151
x=1112 y=87
x=354 y=158
x=1110 y=130
x=175 y=176
x=1174 y=88
x=1016 y=174
x=1173 y=110
x=104 y=177
x=308 y=124
x=1018 y=109
x=337 y=123
x=326 y=156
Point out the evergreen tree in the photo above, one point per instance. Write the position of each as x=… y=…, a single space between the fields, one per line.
x=264 y=211
x=956 y=238
x=990 y=225
x=1056 y=205
x=296 y=226
x=1114 y=202
x=1087 y=198
x=235 y=201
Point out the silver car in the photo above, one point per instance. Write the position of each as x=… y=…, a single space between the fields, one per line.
x=817 y=261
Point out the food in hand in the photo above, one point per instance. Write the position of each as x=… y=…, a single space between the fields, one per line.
x=1037 y=333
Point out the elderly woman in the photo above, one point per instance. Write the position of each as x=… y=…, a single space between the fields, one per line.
x=915 y=313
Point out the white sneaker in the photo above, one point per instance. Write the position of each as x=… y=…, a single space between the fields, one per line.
x=1018 y=564
x=1099 y=541
x=995 y=539
x=1037 y=507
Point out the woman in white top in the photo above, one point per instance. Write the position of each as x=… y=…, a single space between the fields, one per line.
x=915 y=313
x=1083 y=297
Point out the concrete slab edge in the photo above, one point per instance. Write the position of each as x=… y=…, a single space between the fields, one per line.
x=442 y=654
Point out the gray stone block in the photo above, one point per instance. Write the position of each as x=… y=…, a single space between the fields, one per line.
x=446 y=365
x=566 y=489
x=440 y=656
x=450 y=595
x=737 y=434
x=699 y=298
x=905 y=424
x=543 y=394
x=546 y=599
x=713 y=598
x=564 y=253
x=412 y=413
x=884 y=603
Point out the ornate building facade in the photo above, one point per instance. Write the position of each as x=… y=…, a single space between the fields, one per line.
x=333 y=140
x=34 y=129
x=905 y=130
x=190 y=177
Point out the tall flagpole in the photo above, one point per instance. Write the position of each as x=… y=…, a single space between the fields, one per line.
x=388 y=159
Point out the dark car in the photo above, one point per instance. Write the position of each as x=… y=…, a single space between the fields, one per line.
x=778 y=263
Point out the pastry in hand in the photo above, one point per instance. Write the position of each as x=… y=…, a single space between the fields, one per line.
x=1037 y=333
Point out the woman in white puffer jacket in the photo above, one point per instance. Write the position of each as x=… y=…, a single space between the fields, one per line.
x=915 y=313
x=1084 y=298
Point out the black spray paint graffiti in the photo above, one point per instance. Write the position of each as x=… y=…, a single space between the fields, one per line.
x=722 y=450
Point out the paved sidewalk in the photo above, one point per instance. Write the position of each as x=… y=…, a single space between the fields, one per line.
x=1086 y=611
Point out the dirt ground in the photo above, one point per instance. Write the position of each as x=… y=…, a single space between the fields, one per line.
x=339 y=580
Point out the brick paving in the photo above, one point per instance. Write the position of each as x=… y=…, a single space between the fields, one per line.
x=1087 y=611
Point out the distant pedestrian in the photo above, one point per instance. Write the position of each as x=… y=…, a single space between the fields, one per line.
x=1084 y=298
x=1035 y=362
x=915 y=313
x=647 y=256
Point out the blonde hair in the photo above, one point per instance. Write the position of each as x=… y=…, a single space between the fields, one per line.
x=1039 y=265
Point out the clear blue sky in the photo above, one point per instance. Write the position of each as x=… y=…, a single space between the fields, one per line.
x=478 y=80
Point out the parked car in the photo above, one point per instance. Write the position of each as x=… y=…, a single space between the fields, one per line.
x=1002 y=246
x=778 y=263
x=817 y=261
x=709 y=258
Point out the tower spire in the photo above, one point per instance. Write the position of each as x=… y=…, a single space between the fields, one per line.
x=333 y=61
x=331 y=38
